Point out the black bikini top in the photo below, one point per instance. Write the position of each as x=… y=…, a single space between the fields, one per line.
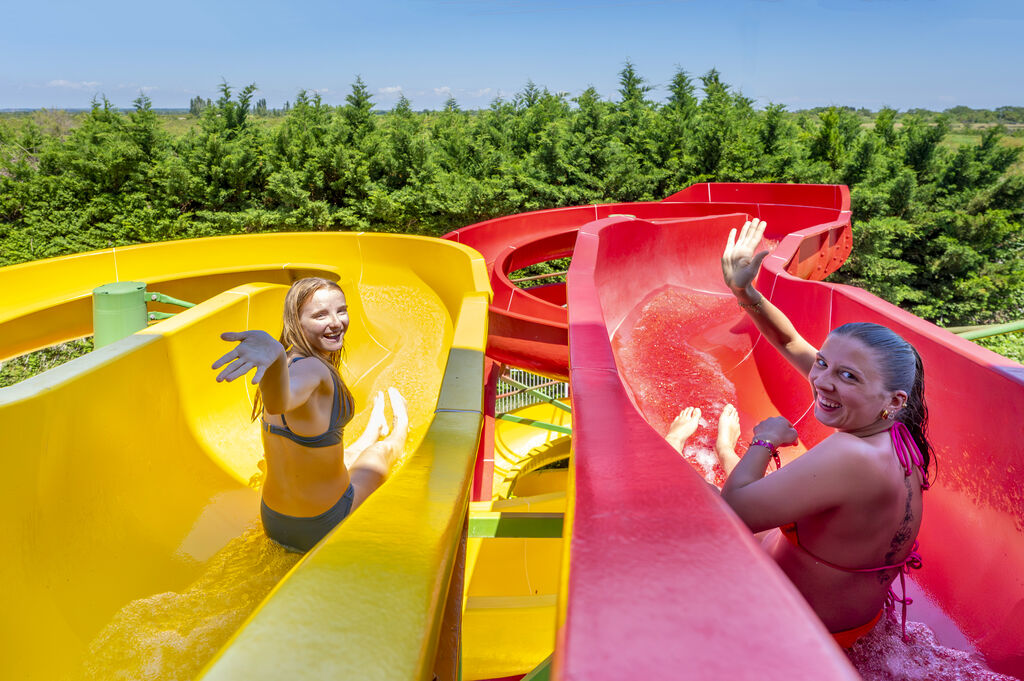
x=339 y=419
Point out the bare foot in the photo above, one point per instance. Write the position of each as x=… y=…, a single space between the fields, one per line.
x=377 y=423
x=400 y=424
x=683 y=427
x=728 y=434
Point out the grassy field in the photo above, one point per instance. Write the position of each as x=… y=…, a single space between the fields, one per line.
x=58 y=121
x=178 y=123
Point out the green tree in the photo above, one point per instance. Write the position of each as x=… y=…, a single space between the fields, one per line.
x=358 y=110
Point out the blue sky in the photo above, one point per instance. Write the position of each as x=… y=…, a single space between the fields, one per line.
x=802 y=53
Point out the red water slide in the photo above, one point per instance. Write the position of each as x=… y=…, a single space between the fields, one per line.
x=664 y=581
x=528 y=328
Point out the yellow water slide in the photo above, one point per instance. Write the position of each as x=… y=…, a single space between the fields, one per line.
x=513 y=572
x=130 y=512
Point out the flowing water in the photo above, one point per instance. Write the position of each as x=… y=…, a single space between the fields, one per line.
x=883 y=655
x=667 y=368
x=171 y=636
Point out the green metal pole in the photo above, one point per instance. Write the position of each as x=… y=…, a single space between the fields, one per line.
x=511 y=524
x=118 y=310
x=535 y=423
x=155 y=297
x=993 y=330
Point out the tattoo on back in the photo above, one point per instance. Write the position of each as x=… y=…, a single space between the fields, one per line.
x=902 y=536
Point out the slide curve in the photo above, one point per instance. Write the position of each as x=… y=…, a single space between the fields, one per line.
x=130 y=470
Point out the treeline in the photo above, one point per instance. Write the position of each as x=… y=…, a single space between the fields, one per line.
x=1003 y=115
x=197 y=105
x=937 y=231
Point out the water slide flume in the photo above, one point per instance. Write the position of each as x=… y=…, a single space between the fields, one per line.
x=129 y=468
x=661 y=579
x=700 y=593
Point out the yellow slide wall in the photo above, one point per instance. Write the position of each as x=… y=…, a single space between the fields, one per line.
x=128 y=470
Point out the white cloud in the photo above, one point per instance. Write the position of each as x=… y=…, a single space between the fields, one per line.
x=390 y=90
x=74 y=85
x=481 y=93
x=321 y=90
x=444 y=90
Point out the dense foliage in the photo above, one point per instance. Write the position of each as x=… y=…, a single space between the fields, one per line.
x=937 y=229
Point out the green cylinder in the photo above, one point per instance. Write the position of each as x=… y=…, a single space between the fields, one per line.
x=118 y=310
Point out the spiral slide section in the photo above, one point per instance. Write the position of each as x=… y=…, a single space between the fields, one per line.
x=128 y=469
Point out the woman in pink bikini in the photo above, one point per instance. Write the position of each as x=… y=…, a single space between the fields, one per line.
x=842 y=519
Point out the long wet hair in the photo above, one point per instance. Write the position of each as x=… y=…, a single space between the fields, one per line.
x=901 y=369
x=294 y=339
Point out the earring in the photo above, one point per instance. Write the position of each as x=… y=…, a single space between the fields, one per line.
x=885 y=414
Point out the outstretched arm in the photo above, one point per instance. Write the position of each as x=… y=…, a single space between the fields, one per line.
x=282 y=390
x=740 y=265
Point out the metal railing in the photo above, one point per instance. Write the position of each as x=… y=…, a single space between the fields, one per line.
x=512 y=396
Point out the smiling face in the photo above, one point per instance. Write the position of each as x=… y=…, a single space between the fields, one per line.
x=849 y=389
x=324 y=319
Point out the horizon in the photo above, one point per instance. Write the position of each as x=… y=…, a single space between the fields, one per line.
x=379 y=111
x=804 y=54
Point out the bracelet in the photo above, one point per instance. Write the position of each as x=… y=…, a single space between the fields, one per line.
x=771 y=449
x=751 y=306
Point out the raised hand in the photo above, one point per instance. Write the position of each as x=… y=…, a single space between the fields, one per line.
x=255 y=349
x=739 y=262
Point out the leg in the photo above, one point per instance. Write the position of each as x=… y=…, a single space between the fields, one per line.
x=372 y=465
x=377 y=425
x=728 y=434
x=376 y=428
x=683 y=427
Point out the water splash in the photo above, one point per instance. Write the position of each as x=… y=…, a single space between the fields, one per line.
x=420 y=322
x=171 y=636
x=662 y=358
x=882 y=655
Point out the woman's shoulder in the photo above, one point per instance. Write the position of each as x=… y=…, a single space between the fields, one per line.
x=310 y=366
x=846 y=443
x=853 y=453
x=869 y=456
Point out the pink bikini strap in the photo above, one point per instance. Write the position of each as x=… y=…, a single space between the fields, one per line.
x=913 y=562
x=908 y=452
x=909 y=455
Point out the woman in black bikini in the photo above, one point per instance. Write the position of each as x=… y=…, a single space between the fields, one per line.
x=308 y=488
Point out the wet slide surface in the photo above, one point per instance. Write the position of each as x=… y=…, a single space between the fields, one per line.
x=131 y=511
x=662 y=577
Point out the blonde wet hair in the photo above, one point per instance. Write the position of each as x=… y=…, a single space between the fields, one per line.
x=294 y=339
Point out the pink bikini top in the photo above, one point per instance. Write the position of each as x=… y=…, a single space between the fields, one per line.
x=910 y=457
